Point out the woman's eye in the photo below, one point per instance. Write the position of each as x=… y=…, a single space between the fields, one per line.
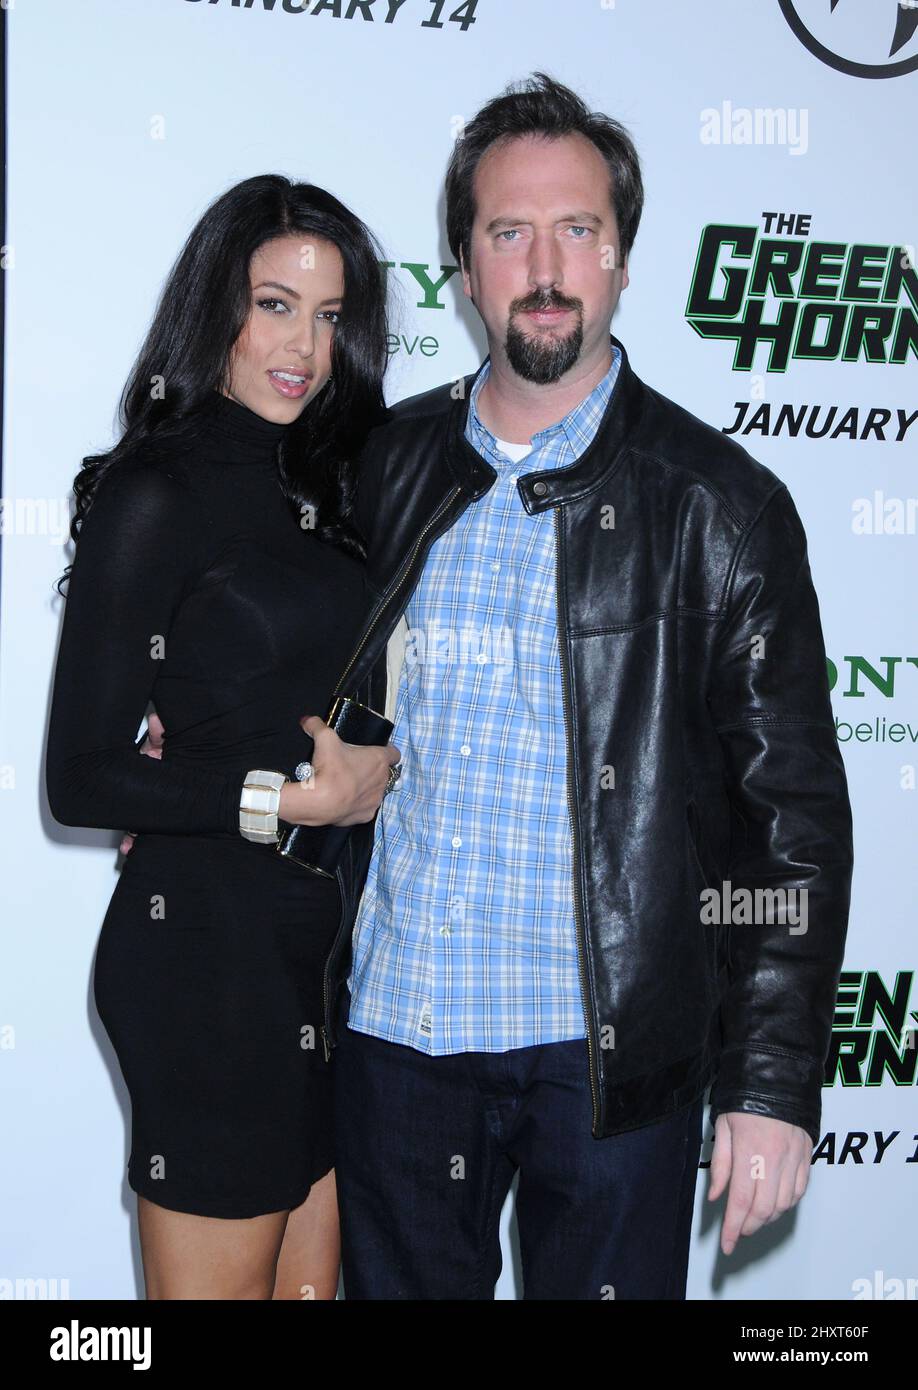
x=265 y=303
x=333 y=315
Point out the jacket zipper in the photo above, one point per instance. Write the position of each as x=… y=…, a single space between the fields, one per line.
x=384 y=601
x=575 y=855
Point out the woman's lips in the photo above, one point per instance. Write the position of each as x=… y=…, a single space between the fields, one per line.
x=291 y=389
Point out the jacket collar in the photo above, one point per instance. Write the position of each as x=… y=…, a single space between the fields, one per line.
x=549 y=486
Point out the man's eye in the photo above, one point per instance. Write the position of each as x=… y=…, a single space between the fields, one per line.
x=264 y=304
x=580 y=229
x=511 y=231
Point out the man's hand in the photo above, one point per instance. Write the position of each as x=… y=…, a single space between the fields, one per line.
x=152 y=746
x=767 y=1164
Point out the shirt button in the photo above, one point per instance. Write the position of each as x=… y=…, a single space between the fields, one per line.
x=444 y=931
x=466 y=748
x=495 y=565
x=513 y=477
x=457 y=841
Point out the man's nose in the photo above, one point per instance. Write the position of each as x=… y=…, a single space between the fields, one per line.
x=545 y=267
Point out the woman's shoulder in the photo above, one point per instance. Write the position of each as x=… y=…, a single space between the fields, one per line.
x=149 y=494
x=156 y=470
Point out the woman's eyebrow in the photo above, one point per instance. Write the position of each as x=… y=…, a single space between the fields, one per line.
x=276 y=285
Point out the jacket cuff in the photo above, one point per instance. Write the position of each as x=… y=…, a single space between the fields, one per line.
x=779 y=1085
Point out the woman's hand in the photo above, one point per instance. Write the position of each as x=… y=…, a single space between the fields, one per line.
x=348 y=783
x=152 y=747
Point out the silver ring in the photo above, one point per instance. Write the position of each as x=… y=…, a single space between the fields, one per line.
x=395 y=772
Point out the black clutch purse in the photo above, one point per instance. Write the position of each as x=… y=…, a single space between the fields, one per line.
x=318 y=847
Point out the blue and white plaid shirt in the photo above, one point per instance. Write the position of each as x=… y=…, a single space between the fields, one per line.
x=465 y=936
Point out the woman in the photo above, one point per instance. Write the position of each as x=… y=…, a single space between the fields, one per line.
x=218 y=576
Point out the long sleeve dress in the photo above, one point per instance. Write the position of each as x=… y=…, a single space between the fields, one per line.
x=196 y=589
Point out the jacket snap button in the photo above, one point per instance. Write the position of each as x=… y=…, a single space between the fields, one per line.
x=540 y=489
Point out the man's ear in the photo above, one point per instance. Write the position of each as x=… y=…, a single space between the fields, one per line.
x=466 y=283
x=625 y=273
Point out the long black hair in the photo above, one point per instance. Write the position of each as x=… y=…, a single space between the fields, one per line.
x=203 y=308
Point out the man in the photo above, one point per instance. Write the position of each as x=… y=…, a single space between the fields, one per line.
x=613 y=700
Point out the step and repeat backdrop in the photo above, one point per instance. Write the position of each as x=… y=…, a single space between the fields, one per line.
x=773 y=292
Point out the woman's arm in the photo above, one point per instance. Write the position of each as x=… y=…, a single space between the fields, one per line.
x=138 y=547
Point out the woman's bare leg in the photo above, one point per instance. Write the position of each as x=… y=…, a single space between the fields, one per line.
x=311 y=1249
x=207 y=1257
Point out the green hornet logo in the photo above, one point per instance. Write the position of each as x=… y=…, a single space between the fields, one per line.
x=873 y=1033
x=813 y=300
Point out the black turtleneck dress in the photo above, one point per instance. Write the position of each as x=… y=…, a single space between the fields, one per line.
x=196 y=589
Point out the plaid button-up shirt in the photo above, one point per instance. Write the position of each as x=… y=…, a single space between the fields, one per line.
x=465 y=937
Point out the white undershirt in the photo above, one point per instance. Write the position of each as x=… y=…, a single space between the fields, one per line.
x=514 y=451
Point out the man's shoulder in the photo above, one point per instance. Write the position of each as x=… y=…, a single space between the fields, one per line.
x=426 y=407
x=695 y=452
x=667 y=434
x=436 y=402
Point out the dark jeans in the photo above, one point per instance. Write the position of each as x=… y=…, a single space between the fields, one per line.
x=426 y=1149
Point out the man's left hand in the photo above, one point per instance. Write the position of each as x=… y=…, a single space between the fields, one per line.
x=767 y=1164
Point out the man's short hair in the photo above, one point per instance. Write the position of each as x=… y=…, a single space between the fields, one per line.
x=541 y=106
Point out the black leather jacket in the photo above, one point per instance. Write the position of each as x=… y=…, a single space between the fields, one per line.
x=693 y=667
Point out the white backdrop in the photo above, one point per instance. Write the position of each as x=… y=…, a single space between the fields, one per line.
x=126 y=118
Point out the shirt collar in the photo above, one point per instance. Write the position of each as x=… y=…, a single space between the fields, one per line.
x=578 y=425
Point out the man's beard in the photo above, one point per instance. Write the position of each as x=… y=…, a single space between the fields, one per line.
x=543 y=358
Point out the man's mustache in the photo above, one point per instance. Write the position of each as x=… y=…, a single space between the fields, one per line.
x=551 y=301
